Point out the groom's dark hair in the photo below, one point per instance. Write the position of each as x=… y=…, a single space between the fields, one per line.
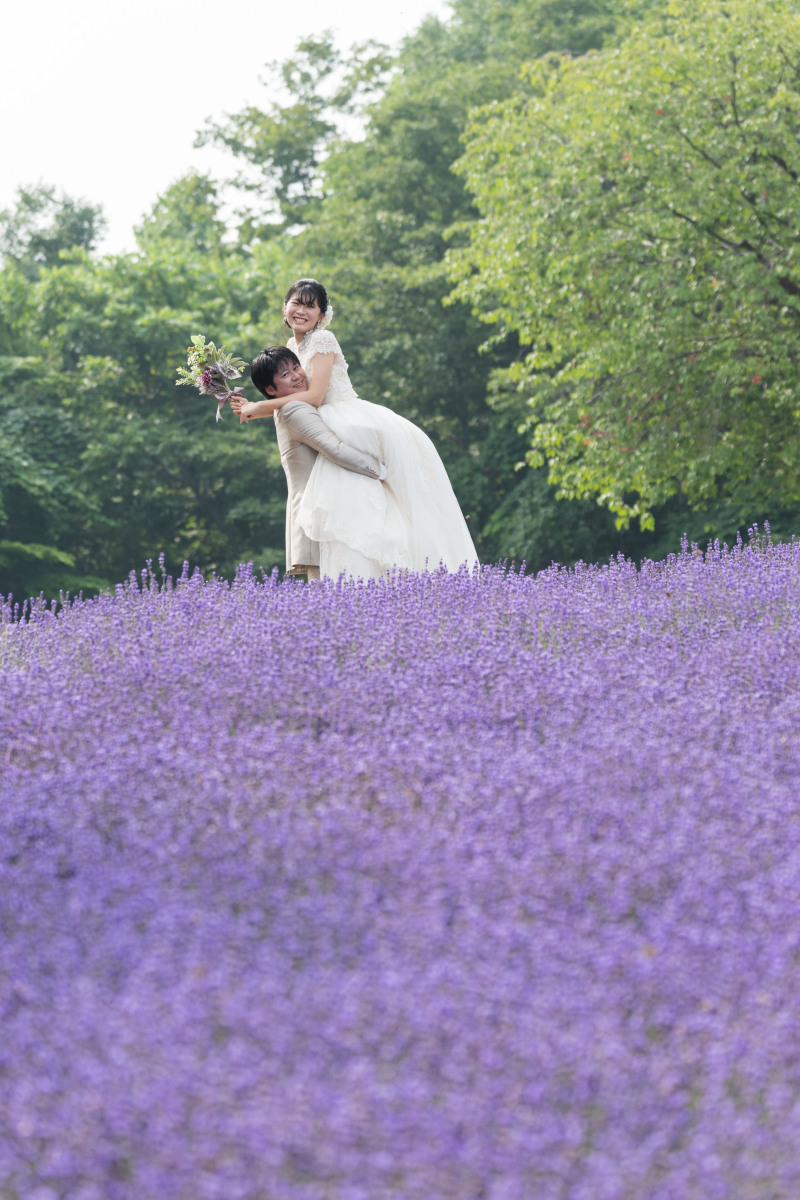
x=264 y=365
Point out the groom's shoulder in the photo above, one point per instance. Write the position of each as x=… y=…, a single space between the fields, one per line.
x=294 y=408
x=297 y=420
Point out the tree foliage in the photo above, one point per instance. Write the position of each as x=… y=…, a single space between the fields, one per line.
x=43 y=226
x=103 y=463
x=282 y=145
x=639 y=225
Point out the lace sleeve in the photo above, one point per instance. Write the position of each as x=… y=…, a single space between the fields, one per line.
x=322 y=341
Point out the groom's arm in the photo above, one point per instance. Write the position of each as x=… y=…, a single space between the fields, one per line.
x=307 y=426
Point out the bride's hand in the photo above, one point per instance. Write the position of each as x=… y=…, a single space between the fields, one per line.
x=245 y=410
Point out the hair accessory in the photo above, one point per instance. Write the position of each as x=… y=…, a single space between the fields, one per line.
x=325 y=319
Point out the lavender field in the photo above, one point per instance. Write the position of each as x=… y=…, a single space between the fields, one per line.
x=449 y=888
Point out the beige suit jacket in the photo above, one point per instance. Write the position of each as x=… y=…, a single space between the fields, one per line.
x=302 y=434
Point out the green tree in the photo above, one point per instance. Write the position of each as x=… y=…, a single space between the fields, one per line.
x=284 y=144
x=41 y=505
x=44 y=226
x=104 y=462
x=188 y=211
x=638 y=232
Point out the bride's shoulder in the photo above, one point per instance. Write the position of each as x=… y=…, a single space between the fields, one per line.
x=324 y=342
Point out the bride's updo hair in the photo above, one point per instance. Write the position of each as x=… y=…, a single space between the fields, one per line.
x=307 y=291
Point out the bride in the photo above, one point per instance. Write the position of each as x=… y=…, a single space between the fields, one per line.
x=365 y=527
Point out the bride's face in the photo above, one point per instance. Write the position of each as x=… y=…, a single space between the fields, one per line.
x=300 y=316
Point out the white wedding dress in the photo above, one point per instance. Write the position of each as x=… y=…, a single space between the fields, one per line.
x=365 y=527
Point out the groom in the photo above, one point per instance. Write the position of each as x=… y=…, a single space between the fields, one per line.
x=302 y=435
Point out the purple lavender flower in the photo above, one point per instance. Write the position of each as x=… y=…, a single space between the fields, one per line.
x=451 y=886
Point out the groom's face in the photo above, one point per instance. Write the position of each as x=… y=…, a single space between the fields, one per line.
x=289 y=377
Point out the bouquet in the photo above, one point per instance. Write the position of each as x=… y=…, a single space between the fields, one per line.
x=209 y=370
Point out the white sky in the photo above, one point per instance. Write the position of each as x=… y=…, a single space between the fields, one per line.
x=103 y=98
